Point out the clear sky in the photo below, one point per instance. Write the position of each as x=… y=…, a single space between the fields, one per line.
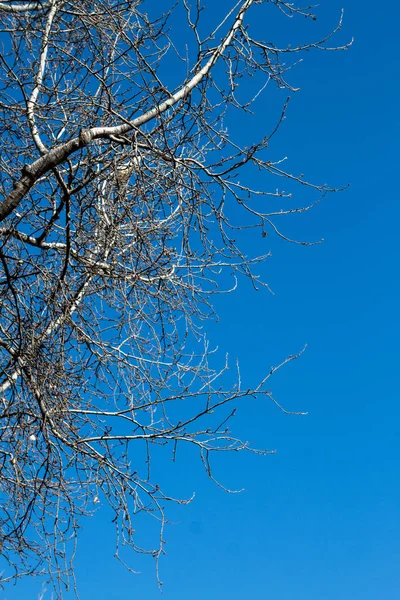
x=319 y=520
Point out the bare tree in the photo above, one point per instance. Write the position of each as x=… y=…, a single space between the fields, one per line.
x=116 y=225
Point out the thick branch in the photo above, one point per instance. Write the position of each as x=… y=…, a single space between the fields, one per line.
x=11 y=7
x=56 y=156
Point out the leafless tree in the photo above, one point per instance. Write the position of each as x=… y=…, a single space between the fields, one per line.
x=116 y=229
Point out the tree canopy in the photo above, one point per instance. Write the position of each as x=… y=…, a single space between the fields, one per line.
x=116 y=195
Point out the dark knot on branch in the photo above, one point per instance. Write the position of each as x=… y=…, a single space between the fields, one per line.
x=28 y=171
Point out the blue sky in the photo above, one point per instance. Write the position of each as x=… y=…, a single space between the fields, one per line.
x=320 y=518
